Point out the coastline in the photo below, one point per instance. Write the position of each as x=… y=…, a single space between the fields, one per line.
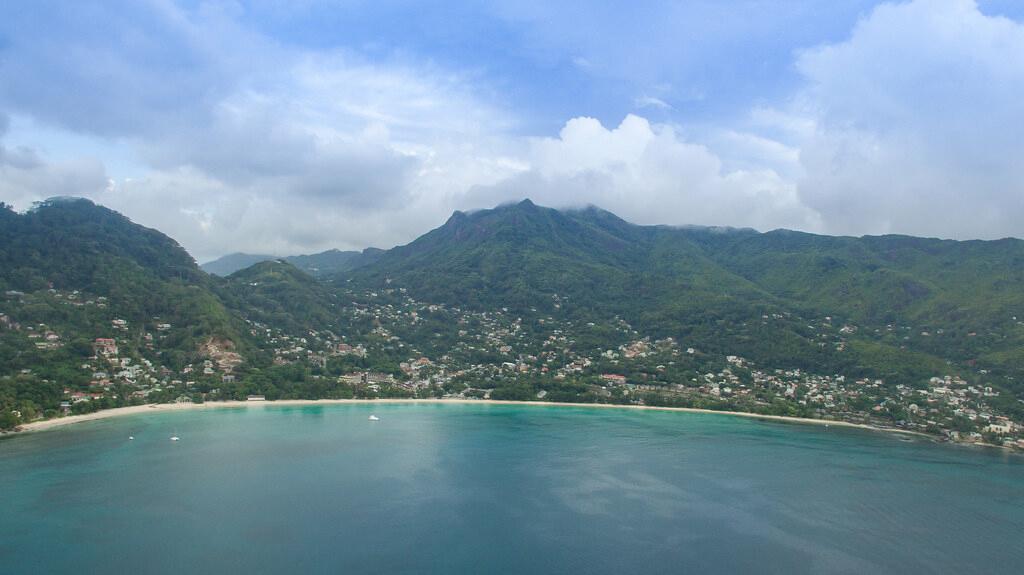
x=235 y=404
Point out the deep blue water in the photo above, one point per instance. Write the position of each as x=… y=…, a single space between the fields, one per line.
x=499 y=489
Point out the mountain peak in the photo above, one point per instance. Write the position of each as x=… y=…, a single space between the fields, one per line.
x=63 y=200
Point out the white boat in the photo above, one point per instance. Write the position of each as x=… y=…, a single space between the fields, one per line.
x=175 y=438
x=374 y=418
x=131 y=437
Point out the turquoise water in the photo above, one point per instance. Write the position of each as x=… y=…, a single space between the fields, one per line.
x=499 y=489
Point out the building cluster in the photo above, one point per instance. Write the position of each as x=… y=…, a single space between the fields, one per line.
x=387 y=343
x=489 y=349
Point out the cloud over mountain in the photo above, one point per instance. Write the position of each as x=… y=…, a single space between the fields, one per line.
x=230 y=134
x=649 y=174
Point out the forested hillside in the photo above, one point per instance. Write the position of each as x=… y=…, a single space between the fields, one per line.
x=523 y=302
x=715 y=286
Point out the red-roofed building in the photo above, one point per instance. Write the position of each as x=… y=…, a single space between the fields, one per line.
x=105 y=346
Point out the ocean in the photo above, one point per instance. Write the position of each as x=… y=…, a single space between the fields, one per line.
x=479 y=488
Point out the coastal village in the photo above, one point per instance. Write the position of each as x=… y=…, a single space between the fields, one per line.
x=387 y=344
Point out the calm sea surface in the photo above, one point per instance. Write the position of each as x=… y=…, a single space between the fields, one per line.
x=499 y=489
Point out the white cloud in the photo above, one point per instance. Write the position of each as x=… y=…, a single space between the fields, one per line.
x=648 y=174
x=651 y=102
x=916 y=124
x=287 y=151
x=910 y=125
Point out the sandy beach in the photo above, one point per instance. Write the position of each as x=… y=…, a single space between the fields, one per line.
x=213 y=405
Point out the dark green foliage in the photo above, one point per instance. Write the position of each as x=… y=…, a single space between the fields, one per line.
x=276 y=293
x=713 y=287
x=73 y=244
x=114 y=269
x=894 y=308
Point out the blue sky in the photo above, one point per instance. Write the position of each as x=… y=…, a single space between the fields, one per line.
x=289 y=127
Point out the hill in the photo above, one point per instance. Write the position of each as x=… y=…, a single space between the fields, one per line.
x=231 y=263
x=522 y=302
x=957 y=300
x=715 y=287
x=333 y=262
x=69 y=244
x=323 y=264
x=276 y=293
x=75 y=274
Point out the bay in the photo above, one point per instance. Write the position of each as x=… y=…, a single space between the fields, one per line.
x=478 y=488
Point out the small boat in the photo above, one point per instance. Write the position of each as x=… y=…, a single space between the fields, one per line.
x=131 y=438
x=374 y=418
x=175 y=438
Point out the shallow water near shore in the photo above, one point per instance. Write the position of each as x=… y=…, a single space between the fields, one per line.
x=435 y=488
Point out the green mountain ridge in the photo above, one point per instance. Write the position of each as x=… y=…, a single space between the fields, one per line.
x=279 y=294
x=73 y=244
x=699 y=282
x=321 y=264
x=896 y=309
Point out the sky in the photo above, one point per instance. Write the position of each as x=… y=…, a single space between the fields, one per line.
x=287 y=127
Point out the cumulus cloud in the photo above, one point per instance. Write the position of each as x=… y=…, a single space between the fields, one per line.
x=916 y=121
x=243 y=143
x=649 y=174
x=910 y=125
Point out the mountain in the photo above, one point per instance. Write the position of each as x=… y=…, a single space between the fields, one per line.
x=98 y=312
x=334 y=262
x=524 y=256
x=520 y=302
x=73 y=273
x=966 y=295
x=231 y=263
x=276 y=293
x=715 y=286
x=145 y=277
x=323 y=264
x=65 y=241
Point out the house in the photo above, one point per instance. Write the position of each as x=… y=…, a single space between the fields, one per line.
x=614 y=379
x=80 y=396
x=346 y=349
x=353 y=379
x=1000 y=427
x=379 y=378
x=104 y=346
x=256 y=398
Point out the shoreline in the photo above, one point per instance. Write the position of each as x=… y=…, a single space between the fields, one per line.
x=58 y=422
